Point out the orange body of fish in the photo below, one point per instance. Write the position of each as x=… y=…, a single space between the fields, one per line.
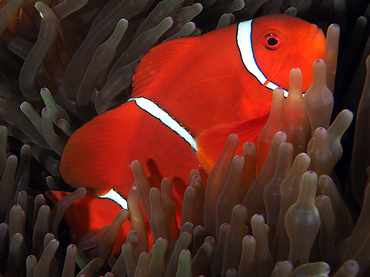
x=181 y=88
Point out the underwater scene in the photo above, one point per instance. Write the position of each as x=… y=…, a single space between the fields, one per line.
x=184 y=138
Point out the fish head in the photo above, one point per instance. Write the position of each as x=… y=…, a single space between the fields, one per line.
x=282 y=42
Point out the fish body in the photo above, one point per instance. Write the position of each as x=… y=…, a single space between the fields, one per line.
x=183 y=87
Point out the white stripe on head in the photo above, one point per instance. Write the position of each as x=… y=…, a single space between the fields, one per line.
x=244 y=41
x=153 y=109
x=273 y=86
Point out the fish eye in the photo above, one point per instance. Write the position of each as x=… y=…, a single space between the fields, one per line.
x=272 y=41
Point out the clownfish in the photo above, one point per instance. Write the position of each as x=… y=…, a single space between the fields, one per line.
x=183 y=87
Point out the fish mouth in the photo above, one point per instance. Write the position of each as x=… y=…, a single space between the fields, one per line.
x=317 y=33
x=317 y=39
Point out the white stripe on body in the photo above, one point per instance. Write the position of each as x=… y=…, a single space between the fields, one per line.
x=153 y=109
x=114 y=196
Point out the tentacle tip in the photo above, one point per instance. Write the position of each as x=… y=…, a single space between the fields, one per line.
x=348 y=111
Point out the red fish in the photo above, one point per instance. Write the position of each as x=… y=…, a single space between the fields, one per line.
x=183 y=87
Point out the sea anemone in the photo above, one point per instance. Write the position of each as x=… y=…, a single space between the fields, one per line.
x=72 y=60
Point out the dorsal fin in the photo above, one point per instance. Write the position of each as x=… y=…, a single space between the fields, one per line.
x=160 y=59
